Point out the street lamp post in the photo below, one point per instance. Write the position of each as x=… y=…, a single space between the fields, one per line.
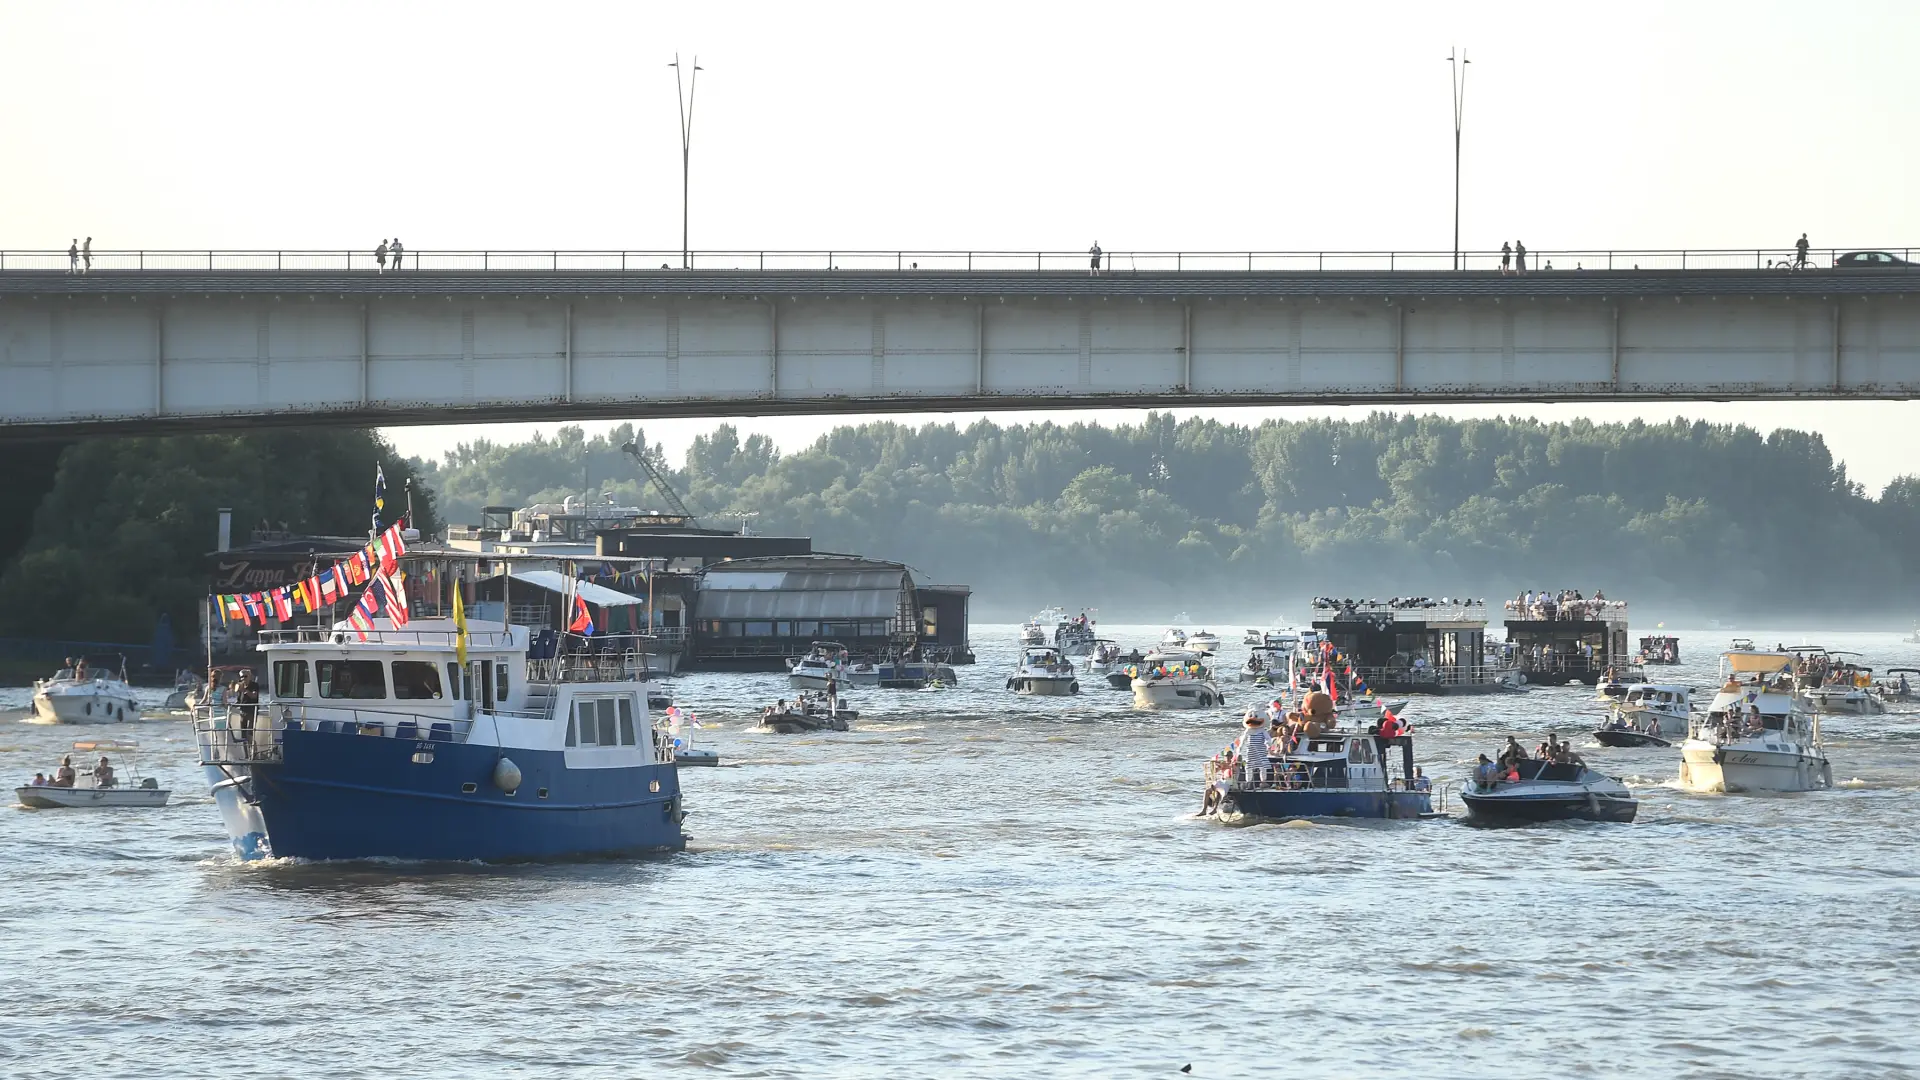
x=683 y=93
x=1457 y=76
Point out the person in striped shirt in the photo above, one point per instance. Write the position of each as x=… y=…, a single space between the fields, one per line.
x=1253 y=746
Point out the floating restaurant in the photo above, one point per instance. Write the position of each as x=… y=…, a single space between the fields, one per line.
x=1561 y=639
x=1414 y=645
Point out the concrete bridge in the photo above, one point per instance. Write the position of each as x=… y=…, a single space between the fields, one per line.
x=127 y=349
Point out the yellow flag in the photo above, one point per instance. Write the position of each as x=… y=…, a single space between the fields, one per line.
x=459 y=625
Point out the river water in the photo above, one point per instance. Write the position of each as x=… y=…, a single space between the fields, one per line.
x=973 y=884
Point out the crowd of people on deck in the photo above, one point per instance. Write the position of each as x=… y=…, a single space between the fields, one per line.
x=1507 y=767
x=1397 y=603
x=1565 y=604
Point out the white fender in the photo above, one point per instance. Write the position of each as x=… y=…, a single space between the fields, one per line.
x=506 y=775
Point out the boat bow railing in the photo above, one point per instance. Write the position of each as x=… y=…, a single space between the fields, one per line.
x=228 y=735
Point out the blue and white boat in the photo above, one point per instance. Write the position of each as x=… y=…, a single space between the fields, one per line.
x=1345 y=772
x=391 y=748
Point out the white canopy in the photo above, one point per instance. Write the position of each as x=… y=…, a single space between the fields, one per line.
x=555 y=581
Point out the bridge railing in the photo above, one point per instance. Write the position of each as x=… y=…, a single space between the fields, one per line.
x=911 y=261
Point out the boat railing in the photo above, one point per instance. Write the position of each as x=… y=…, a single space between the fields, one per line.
x=1388 y=611
x=625 y=666
x=228 y=735
x=1569 y=611
x=326 y=635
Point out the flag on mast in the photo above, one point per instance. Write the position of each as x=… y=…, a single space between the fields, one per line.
x=379 y=494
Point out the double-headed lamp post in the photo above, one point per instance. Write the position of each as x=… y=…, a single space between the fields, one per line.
x=1457 y=75
x=683 y=93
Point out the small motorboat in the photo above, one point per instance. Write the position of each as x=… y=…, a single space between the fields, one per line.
x=1610 y=735
x=1203 y=641
x=1897 y=687
x=1175 y=690
x=824 y=660
x=101 y=786
x=1043 y=672
x=811 y=712
x=1251 y=636
x=1651 y=714
x=86 y=692
x=1548 y=791
x=680 y=728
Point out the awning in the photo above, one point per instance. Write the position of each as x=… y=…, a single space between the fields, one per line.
x=1763 y=663
x=555 y=582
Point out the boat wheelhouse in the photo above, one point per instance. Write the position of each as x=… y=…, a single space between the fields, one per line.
x=1556 y=642
x=391 y=746
x=1414 y=647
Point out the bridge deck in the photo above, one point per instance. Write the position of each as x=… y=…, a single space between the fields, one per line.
x=1590 y=284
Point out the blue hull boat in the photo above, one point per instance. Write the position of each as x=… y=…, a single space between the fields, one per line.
x=1252 y=805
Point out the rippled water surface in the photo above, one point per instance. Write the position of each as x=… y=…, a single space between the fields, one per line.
x=976 y=884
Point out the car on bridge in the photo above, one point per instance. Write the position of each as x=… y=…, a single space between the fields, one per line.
x=1870 y=260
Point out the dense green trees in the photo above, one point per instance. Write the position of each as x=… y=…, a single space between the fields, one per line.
x=123 y=533
x=1142 y=520
x=1161 y=515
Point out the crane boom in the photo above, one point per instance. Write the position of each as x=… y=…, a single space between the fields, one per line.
x=660 y=484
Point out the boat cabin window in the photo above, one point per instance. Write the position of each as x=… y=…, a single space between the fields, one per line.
x=289 y=679
x=626 y=722
x=500 y=686
x=453 y=679
x=595 y=723
x=358 y=679
x=416 y=680
x=1360 y=751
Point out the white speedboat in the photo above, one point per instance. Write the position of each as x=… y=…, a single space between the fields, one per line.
x=1757 y=735
x=1104 y=657
x=1845 y=700
x=824 y=660
x=1043 y=672
x=1651 y=714
x=1251 y=636
x=1203 y=641
x=1032 y=633
x=1175 y=691
x=1174 y=638
x=1616 y=681
x=97 y=787
x=85 y=693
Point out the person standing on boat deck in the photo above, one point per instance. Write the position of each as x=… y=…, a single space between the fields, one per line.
x=73 y=256
x=380 y=256
x=397 y=252
x=1506 y=257
x=833 y=694
x=86 y=256
x=64 y=775
x=1519 y=257
x=246 y=696
x=1094 y=251
x=1253 y=746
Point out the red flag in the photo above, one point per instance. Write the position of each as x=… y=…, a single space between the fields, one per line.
x=391 y=546
x=582 y=618
x=313 y=593
x=357 y=568
x=393 y=590
x=283 y=603
x=362 y=618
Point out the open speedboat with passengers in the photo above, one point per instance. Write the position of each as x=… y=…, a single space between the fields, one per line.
x=1043 y=672
x=87 y=692
x=391 y=747
x=97 y=787
x=1756 y=735
x=813 y=711
x=1177 y=689
x=1548 y=791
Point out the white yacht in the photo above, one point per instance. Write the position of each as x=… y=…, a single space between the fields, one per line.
x=85 y=693
x=1043 y=672
x=1203 y=641
x=1849 y=699
x=1651 y=714
x=1250 y=636
x=1104 y=657
x=1176 y=690
x=824 y=660
x=1174 y=638
x=1757 y=735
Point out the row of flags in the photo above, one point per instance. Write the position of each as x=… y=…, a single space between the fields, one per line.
x=376 y=566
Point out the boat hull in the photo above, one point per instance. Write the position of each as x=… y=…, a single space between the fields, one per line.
x=1714 y=768
x=1619 y=737
x=78 y=798
x=346 y=796
x=1256 y=805
x=807 y=682
x=102 y=708
x=1177 y=695
x=1036 y=686
x=1532 y=809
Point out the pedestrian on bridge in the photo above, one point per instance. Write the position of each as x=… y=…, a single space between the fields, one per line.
x=1801 y=261
x=1506 y=257
x=86 y=256
x=73 y=256
x=1519 y=257
x=1095 y=252
x=380 y=256
x=396 y=251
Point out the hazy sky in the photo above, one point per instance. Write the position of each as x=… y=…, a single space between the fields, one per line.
x=1270 y=126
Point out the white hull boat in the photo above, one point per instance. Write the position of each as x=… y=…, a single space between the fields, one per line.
x=824 y=660
x=76 y=798
x=1182 y=693
x=1845 y=701
x=100 y=701
x=1735 y=768
x=1201 y=641
x=1043 y=672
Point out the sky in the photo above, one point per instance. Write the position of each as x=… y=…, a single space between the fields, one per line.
x=1264 y=126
